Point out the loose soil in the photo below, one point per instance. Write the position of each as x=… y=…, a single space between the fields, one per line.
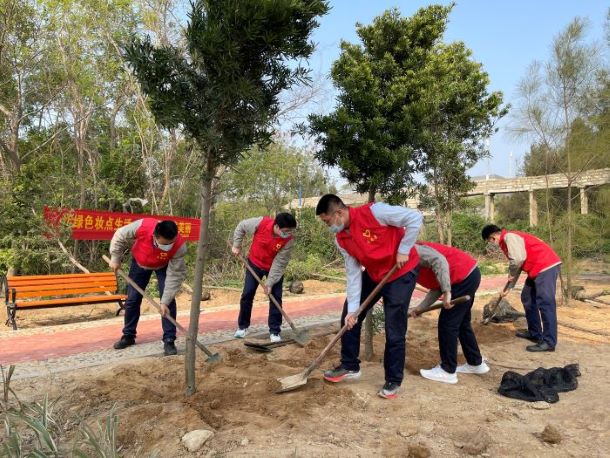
x=236 y=400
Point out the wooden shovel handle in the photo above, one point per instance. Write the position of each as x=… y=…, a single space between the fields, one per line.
x=343 y=330
x=152 y=302
x=271 y=296
x=439 y=304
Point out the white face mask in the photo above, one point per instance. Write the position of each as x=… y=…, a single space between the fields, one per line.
x=163 y=247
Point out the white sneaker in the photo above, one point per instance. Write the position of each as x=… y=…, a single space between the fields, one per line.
x=482 y=368
x=275 y=338
x=438 y=374
x=241 y=333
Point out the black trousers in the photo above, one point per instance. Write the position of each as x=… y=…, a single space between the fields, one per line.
x=396 y=297
x=454 y=325
x=247 y=296
x=134 y=300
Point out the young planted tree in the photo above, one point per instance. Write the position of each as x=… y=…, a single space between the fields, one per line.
x=371 y=136
x=455 y=114
x=223 y=93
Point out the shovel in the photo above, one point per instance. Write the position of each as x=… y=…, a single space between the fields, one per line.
x=212 y=357
x=293 y=382
x=301 y=336
x=417 y=311
x=496 y=303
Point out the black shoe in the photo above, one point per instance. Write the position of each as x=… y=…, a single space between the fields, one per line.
x=525 y=334
x=542 y=346
x=124 y=342
x=169 y=348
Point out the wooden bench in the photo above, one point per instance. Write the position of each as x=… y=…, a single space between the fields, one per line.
x=31 y=292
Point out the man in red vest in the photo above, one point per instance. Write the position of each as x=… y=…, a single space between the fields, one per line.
x=156 y=247
x=450 y=272
x=530 y=254
x=376 y=236
x=269 y=255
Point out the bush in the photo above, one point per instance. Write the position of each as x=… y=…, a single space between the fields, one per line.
x=466 y=232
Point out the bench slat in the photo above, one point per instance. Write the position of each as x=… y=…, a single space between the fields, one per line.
x=109 y=283
x=62 y=292
x=19 y=284
x=59 y=278
x=71 y=301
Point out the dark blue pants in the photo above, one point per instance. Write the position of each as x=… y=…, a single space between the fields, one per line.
x=454 y=325
x=247 y=296
x=538 y=297
x=134 y=300
x=396 y=297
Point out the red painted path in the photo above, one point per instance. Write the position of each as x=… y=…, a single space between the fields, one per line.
x=66 y=342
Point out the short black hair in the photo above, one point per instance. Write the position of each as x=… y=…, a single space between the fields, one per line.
x=488 y=230
x=285 y=220
x=328 y=203
x=166 y=229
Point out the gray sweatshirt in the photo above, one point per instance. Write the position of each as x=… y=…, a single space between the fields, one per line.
x=388 y=215
x=432 y=259
x=124 y=238
x=280 y=262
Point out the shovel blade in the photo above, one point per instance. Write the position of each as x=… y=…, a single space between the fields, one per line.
x=292 y=382
x=302 y=338
x=260 y=348
x=213 y=358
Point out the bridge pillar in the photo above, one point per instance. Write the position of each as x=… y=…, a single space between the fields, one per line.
x=533 y=209
x=490 y=207
x=584 y=201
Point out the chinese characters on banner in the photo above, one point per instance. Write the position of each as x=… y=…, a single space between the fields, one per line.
x=98 y=225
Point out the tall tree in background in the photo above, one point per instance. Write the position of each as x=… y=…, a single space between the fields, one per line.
x=554 y=96
x=455 y=114
x=23 y=52
x=224 y=92
x=372 y=134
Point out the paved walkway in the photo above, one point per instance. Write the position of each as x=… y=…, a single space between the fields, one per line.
x=56 y=348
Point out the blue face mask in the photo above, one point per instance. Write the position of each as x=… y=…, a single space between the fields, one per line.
x=335 y=229
x=285 y=235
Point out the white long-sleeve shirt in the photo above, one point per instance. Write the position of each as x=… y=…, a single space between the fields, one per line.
x=387 y=215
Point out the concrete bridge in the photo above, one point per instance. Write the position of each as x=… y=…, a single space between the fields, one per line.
x=582 y=181
x=490 y=187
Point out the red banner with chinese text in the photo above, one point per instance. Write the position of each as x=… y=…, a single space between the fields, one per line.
x=99 y=225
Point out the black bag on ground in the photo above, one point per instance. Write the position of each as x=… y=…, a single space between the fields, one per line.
x=541 y=384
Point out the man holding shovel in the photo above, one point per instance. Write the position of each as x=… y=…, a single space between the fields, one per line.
x=378 y=237
x=269 y=255
x=530 y=254
x=451 y=272
x=156 y=246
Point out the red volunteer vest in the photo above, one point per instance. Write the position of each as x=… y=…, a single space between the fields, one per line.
x=144 y=250
x=538 y=255
x=373 y=244
x=460 y=266
x=265 y=244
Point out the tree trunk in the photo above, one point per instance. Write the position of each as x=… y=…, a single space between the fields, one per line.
x=206 y=201
x=568 y=286
x=449 y=227
x=369 y=350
